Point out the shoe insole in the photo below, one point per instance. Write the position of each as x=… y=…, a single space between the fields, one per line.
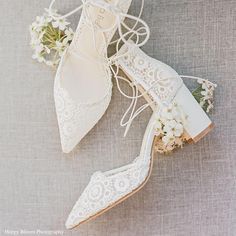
x=84 y=79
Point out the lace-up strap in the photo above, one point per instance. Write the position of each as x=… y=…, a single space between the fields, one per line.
x=120 y=23
x=69 y=13
x=142 y=31
x=135 y=95
x=146 y=76
x=198 y=79
x=131 y=110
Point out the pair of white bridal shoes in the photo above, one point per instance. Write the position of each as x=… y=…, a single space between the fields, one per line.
x=83 y=85
x=83 y=90
x=166 y=93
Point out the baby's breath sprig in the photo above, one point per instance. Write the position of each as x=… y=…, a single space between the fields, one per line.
x=171 y=121
x=204 y=94
x=170 y=129
x=50 y=36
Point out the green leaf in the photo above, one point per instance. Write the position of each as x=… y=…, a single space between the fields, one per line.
x=197 y=95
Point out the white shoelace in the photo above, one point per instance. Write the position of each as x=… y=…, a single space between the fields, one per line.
x=142 y=31
x=135 y=96
x=131 y=32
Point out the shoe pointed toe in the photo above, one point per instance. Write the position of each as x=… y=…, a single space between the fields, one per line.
x=88 y=201
x=72 y=221
x=69 y=223
x=67 y=146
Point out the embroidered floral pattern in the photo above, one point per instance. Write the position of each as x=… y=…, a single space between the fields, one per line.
x=159 y=83
x=71 y=115
x=103 y=191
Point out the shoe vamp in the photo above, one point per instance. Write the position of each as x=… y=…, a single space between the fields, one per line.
x=85 y=81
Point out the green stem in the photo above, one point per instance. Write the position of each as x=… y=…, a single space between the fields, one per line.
x=50 y=37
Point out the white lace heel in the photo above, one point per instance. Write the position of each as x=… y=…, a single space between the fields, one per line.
x=83 y=84
x=158 y=82
x=105 y=190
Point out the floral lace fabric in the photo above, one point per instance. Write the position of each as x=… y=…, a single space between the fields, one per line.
x=73 y=116
x=159 y=79
x=77 y=119
x=108 y=188
x=103 y=191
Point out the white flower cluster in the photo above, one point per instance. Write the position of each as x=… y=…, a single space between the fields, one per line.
x=207 y=94
x=170 y=128
x=50 y=36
